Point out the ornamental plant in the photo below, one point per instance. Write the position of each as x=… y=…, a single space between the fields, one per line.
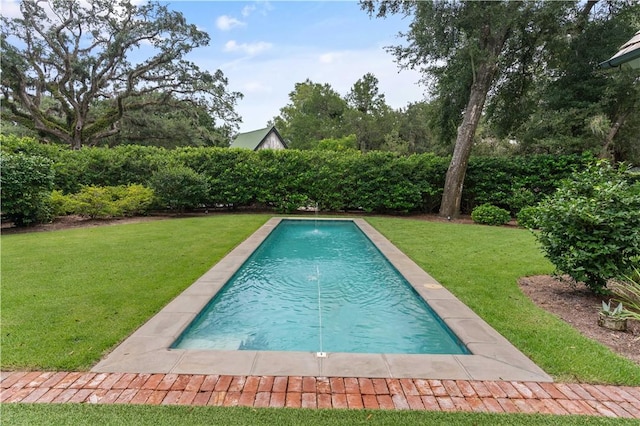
x=488 y=214
x=104 y=201
x=26 y=183
x=628 y=292
x=528 y=217
x=179 y=188
x=590 y=227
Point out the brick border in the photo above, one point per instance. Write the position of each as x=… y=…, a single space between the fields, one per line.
x=320 y=392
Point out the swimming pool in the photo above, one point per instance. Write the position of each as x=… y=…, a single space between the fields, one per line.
x=149 y=348
x=323 y=287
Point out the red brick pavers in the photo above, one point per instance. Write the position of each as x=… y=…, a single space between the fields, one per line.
x=320 y=392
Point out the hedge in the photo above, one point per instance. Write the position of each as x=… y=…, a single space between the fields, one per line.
x=335 y=181
x=26 y=182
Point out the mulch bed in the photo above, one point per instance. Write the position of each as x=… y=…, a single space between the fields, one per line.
x=577 y=306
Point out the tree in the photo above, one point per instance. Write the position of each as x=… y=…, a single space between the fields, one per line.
x=466 y=47
x=416 y=128
x=369 y=116
x=315 y=112
x=365 y=96
x=170 y=124
x=64 y=57
x=575 y=105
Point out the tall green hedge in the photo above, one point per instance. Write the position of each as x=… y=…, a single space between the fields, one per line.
x=335 y=181
x=26 y=182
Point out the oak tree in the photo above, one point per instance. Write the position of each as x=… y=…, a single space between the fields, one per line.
x=464 y=49
x=70 y=69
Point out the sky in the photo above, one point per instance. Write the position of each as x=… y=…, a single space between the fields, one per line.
x=265 y=47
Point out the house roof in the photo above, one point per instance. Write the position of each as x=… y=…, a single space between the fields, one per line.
x=252 y=140
x=629 y=53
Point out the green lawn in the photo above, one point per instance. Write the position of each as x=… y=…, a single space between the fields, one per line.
x=481 y=265
x=69 y=296
x=85 y=414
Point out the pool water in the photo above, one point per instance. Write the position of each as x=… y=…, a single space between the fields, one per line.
x=319 y=286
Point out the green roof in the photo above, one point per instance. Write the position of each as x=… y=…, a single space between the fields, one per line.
x=251 y=140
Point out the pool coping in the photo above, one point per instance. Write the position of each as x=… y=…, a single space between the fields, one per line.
x=492 y=356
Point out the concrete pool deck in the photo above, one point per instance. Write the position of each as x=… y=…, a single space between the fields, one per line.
x=148 y=350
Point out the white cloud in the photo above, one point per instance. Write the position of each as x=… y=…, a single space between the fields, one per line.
x=264 y=6
x=10 y=9
x=247 y=48
x=226 y=23
x=327 y=58
x=247 y=10
x=256 y=86
x=267 y=82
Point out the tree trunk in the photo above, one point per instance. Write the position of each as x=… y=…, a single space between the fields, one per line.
x=452 y=194
x=607 y=151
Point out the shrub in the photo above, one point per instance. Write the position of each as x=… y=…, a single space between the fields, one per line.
x=291 y=203
x=179 y=188
x=488 y=214
x=516 y=182
x=103 y=202
x=337 y=180
x=95 y=202
x=590 y=227
x=132 y=200
x=231 y=174
x=528 y=217
x=26 y=183
x=62 y=205
x=122 y=165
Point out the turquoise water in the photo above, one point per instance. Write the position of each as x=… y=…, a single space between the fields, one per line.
x=320 y=287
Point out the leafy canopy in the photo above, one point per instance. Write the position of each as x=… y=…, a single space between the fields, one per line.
x=63 y=58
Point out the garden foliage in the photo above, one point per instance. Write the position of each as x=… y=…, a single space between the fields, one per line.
x=104 y=201
x=628 y=292
x=528 y=217
x=590 y=227
x=26 y=183
x=376 y=181
x=179 y=188
x=488 y=214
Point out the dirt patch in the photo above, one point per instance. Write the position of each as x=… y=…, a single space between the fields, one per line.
x=70 y=222
x=577 y=306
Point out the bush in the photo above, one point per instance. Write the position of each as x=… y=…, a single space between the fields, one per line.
x=62 y=205
x=103 y=202
x=122 y=165
x=133 y=200
x=516 y=182
x=488 y=214
x=347 y=179
x=590 y=227
x=179 y=188
x=26 y=183
x=95 y=202
x=528 y=217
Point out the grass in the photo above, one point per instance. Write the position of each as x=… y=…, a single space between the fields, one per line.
x=74 y=414
x=481 y=265
x=70 y=296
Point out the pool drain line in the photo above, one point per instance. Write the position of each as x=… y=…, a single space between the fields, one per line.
x=320 y=354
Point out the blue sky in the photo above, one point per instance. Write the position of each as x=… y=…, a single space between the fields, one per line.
x=265 y=47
